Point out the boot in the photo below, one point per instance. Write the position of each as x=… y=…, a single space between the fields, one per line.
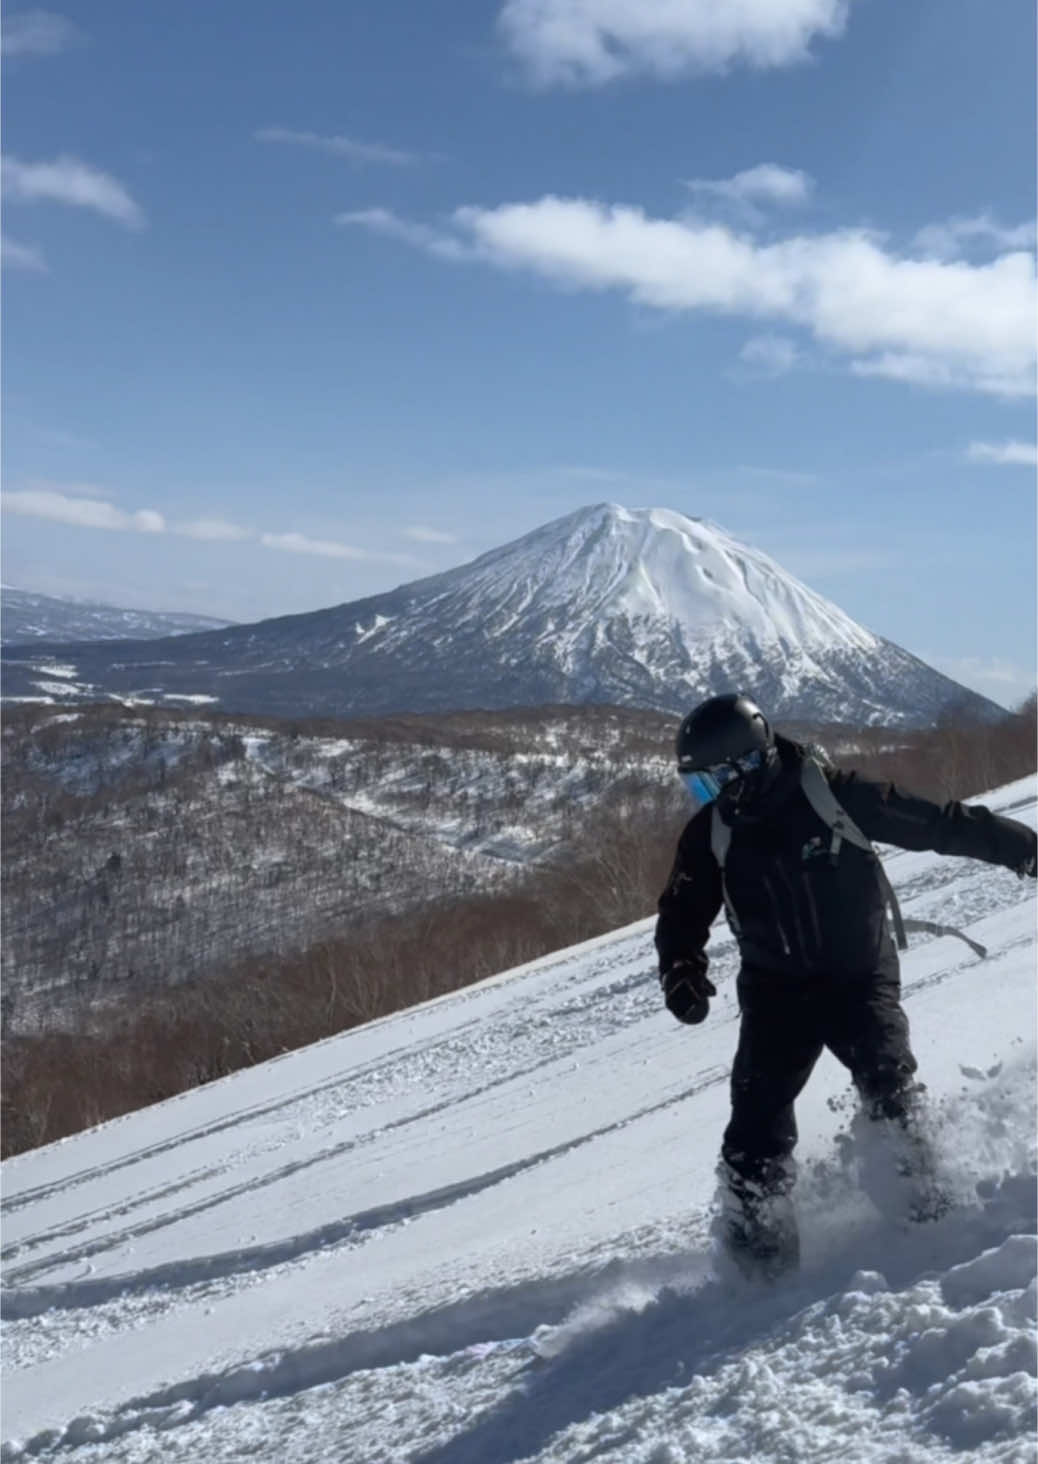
x=898 y=1167
x=757 y=1225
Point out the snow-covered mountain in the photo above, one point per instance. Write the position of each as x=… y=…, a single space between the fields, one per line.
x=639 y=607
x=25 y=616
x=477 y=1232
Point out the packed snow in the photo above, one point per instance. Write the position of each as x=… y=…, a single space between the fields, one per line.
x=478 y=1232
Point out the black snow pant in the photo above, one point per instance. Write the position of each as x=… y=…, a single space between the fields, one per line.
x=783 y=1031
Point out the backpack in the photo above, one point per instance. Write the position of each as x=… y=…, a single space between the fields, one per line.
x=823 y=800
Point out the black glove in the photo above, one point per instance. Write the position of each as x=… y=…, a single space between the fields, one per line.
x=1029 y=866
x=687 y=991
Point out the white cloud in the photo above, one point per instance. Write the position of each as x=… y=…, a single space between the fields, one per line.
x=420 y=236
x=340 y=147
x=590 y=42
x=952 y=239
x=300 y=544
x=428 y=536
x=38 y=33
x=67 y=180
x=767 y=182
x=915 y=369
x=217 y=530
x=1022 y=454
x=78 y=504
x=771 y=355
x=932 y=322
x=21 y=256
x=330 y=549
x=89 y=513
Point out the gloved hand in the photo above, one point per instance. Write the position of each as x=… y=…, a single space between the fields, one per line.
x=1029 y=866
x=687 y=991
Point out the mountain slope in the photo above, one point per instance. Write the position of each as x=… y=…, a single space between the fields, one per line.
x=478 y=1231
x=26 y=616
x=639 y=607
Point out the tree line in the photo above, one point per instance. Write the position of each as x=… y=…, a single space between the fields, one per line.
x=608 y=873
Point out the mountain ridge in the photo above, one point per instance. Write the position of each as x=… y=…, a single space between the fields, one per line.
x=636 y=607
x=27 y=615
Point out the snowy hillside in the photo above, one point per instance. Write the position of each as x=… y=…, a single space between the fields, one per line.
x=634 y=607
x=25 y=616
x=476 y=1232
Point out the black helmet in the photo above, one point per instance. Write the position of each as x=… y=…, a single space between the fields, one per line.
x=720 y=731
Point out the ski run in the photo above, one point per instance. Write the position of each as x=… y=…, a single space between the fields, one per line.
x=477 y=1232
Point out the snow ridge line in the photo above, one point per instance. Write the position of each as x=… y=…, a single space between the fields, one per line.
x=115 y=1239
x=937 y=978
x=17 y=1304
x=13 y=1203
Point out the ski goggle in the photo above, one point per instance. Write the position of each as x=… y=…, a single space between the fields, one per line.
x=705 y=784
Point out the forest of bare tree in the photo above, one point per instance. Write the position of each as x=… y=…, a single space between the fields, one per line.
x=184 y=895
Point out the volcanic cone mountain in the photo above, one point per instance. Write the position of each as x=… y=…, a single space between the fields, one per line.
x=640 y=607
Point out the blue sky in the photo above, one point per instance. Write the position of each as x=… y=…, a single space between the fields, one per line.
x=305 y=302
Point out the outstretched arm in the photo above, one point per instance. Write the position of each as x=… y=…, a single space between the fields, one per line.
x=886 y=814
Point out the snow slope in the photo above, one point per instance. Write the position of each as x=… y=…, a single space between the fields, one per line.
x=477 y=1232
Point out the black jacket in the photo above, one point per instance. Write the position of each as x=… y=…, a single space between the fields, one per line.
x=799 y=913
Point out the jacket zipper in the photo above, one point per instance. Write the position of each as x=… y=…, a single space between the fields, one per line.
x=788 y=882
x=813 y=907
x=778 y=918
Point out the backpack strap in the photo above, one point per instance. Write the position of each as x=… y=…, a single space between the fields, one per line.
x=832 y=813
x=829 y=809
x=720 y=838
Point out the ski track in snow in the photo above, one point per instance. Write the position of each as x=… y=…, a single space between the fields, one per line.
x=528 y=1274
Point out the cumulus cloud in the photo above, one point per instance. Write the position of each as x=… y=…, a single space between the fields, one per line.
x=341 y=147
x=957 y=236
x=1020 y=454
x=38 y=33
x=591 y=42
x=69 y=181
x=766 y=183
x=21 y=256
x=90 y=513
x=939 y=323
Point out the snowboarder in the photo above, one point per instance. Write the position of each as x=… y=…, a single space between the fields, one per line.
x=782 y=839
